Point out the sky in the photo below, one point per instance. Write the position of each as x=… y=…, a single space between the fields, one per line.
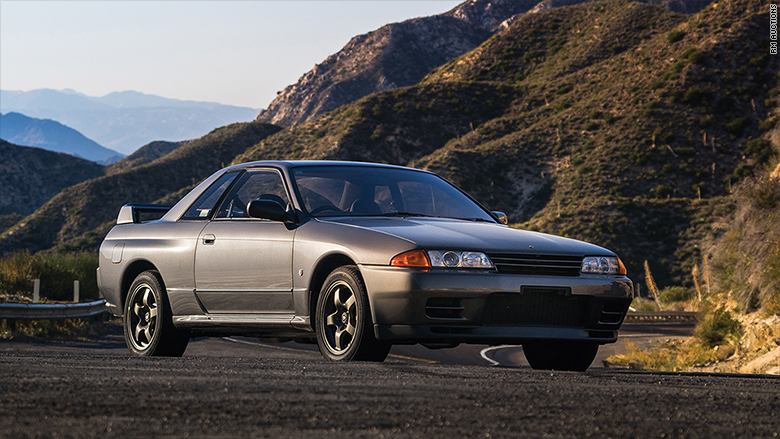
x=231 y=52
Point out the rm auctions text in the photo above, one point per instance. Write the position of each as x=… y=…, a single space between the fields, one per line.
x=773 y=29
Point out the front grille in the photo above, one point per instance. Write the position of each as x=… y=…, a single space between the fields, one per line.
x=540 y=265
x=537 y=307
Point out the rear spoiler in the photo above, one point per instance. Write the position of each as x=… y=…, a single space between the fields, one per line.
x=131 y=213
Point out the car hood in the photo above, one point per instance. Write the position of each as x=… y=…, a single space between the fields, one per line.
x=448 y=234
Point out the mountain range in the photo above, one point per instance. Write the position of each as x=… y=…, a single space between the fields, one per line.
x=53 y=136
x=124 y=121
x=401 y=54
x=614 y=121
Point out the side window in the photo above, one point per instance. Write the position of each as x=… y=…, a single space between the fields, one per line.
x=264 y=184
x=202 y=207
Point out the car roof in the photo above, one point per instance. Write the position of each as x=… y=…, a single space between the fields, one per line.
x=306 y=163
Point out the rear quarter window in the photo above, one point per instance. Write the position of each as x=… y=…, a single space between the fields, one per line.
x=203 y=207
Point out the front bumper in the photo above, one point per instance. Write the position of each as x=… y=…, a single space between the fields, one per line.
x=446 y=306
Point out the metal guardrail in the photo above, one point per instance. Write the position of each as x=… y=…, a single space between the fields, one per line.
x=21 y=311
x=661 y=316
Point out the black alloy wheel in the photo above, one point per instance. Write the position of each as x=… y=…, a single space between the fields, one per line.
x=148 y=326
x=343 y=320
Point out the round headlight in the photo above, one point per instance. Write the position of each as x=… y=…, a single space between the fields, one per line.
x=474 y=259
x=451 y=259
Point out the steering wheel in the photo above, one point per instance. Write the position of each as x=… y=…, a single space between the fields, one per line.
x=325 y=208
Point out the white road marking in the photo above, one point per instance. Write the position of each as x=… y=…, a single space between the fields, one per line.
x=483 y=353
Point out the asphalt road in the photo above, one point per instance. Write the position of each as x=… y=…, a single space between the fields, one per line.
x=241 y=388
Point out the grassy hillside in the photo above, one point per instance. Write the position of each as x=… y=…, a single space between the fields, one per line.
x=31 y=176
x=640 y=119
x=77 y=217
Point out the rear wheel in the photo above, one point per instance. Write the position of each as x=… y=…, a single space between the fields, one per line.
x=560 y=355
x=343 y=319
x=148 y=326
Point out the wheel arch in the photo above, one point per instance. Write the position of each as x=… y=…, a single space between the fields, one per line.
x=323 y=268
x=131 y=272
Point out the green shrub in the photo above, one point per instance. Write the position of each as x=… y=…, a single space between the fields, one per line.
x=694 y=56
x=759 y=149
x=663 y=191
x=765 y=194
x=696 y=95
x=562 y=90
x=759 y=61
x=675 y=294
x=675 y=36
x=616 y=49
x=584 y=169
x=768 y=124
x=716 y=328
x=591 y=125
x=532 y=55
x=57 y=271
x=657 y=84
x=737 y=126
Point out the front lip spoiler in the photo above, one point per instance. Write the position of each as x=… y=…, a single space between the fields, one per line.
x=491 y=335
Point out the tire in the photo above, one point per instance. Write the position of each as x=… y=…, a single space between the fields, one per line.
x=560 y=355
x=147 y=322
x=343 y=320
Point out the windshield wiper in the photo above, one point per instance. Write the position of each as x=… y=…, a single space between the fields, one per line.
x=477 y=220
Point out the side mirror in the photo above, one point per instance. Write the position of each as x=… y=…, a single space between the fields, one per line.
x=268 y=209
x=501 y=216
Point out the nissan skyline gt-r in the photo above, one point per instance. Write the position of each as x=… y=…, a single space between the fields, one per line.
x=355 y=257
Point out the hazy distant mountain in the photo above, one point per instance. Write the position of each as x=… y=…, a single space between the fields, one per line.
x=29 y=177
x=124 y=121
x=53 y=136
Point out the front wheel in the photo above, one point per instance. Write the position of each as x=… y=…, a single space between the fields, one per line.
x=148 y=326
x=343 y=319
x=560 y=355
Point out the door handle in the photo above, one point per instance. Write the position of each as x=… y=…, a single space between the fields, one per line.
x=209 y=239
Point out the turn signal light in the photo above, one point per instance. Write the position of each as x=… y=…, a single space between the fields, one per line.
x=412 y=259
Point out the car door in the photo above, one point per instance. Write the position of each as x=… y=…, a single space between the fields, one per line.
x=243 y=264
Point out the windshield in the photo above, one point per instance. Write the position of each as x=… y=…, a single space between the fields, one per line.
x=376 y=191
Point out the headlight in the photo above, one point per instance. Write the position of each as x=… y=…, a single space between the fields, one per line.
x=603 y=265
x=457 y=259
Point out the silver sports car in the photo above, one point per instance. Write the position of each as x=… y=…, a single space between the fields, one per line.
x=355 y=257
